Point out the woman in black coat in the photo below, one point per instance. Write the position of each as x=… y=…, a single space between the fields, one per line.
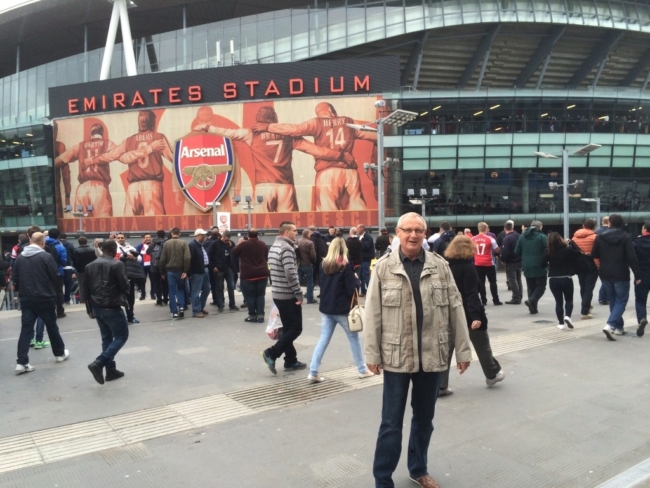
x=460 y=255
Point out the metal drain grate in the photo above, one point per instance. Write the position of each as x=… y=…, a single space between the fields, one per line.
x=51 y=445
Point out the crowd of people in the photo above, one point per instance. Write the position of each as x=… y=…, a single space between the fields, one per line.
x=426 y=298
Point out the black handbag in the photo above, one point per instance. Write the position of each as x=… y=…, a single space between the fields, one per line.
x=584 y=264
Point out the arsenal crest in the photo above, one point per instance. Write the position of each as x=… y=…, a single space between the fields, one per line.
x=203 y=165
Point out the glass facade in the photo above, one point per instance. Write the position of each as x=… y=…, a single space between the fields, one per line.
x=478 y=153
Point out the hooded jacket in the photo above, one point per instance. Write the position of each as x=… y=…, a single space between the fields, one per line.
x=60 y=252
x=531 y=246
x=616 y=253
x=584 y=239
x=441 y=243
x=642 y=249
x=35 y=274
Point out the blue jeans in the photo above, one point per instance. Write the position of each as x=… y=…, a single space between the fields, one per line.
x=365 y=276
x=67 y=284
x=254 y=292
x=229 y=276
x=641 y=297
x=617 y=293
x=389 y=440
x=40 y=330
x=307 y=271
x=200 y=286
x=602 y=295
x=115 y=332
x=326 y=330
x=176 y=290
x=31 y=309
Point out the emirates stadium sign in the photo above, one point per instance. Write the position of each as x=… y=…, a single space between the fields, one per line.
x=203 y=165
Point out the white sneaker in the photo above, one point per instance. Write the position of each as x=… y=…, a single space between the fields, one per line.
x=568 y=322
x=609 y=333
x=619 y=332
x=66 y=355
x=24 y=368
x=316 y=379
x=367 y=374
x=499 y=377
x=561 y=326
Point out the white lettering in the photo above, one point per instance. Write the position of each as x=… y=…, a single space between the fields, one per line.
x=203 y=152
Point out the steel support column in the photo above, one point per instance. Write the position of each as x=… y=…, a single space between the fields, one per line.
x=482 y=50
x=414 y=61
x=542 y=53
x=598 y=55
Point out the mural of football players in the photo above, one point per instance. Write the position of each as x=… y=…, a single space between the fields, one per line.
x=337 y=185
x=143 y=153
x=61 y=173
x=272 y=157
x=94 y=178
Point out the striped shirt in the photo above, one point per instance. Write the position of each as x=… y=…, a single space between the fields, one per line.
x=284 y=272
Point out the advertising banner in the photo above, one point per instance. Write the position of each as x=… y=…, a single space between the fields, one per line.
x=158 y=168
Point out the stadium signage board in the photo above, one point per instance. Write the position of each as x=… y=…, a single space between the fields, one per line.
x=229 y=84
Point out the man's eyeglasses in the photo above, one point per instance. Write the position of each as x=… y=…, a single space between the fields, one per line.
x=417 y=232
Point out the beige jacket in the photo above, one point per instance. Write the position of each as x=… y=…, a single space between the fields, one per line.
x=390 y=328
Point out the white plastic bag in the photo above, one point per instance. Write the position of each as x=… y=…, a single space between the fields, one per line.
x=274 y=326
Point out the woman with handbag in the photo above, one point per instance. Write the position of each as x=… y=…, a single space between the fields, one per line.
x=338 y=291
x=561 y=259
x=460 y=255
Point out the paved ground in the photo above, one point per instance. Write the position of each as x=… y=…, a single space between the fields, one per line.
x=197 y=408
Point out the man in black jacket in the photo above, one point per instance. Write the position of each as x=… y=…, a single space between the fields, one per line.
x=223 y=266
x=446 y=236
x=198 y=274
x=320 y=246
x=106 y=287
x=82 y=257
x=642 y=248
x=616 y=253
x=382 y=242
x=213 y=237
x=512 y=261
x=367 y=255
x=35 y=275
x=159 y=287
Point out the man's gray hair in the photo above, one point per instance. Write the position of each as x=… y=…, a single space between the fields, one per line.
x=306 y=232
x=537 y=223
x=353 y=231
x=411 y=215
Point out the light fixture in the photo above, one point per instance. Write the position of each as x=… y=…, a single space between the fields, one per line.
x=632 y=110
x=494 y=174
x=544 y=115
x=410 y=192
x=423 y=114
x=478 y=113
x=16 y=142
x=436 y=108
x=423 y=192
x=604 y=117
x=546 y=195
x=399 y=117
x=495 y=106
x=29 y=135
x=570 y=107
x=498 y=129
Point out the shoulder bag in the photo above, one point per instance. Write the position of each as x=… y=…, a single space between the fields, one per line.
x=355 y=316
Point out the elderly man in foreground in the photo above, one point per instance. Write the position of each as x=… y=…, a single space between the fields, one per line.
x=414 y=314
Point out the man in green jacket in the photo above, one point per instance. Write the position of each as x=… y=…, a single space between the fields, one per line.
x=531 y=246
x=174 y=265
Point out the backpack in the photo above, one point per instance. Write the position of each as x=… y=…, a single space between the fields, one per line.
x=156 y=253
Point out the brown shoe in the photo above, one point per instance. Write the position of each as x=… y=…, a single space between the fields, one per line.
x=205 y=312
x=198 y=315
x=426 y=481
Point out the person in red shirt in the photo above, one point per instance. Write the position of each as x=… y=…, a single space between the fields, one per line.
x=272 y=155
x=93 y=179
x=485 y=245
x=143 y=153
x=337 y=185
x=61 y=173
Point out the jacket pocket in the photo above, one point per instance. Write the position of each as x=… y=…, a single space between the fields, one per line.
x=390 y=349
x=391 y=294
x=443 y=347
x=440 y=293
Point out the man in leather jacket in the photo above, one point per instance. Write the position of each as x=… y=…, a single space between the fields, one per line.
x=105 y=289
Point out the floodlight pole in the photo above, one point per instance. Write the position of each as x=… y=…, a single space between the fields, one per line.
x=380 y=173
x=565 y=191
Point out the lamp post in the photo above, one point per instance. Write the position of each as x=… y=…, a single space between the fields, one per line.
x=397 y=118
x=597 y=200
x=583 y=151
x=423 y=200
x=249 y=206
x=81 y=214
x=215 y=204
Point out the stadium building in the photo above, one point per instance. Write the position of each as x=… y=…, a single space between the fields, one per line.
x=242 y=108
